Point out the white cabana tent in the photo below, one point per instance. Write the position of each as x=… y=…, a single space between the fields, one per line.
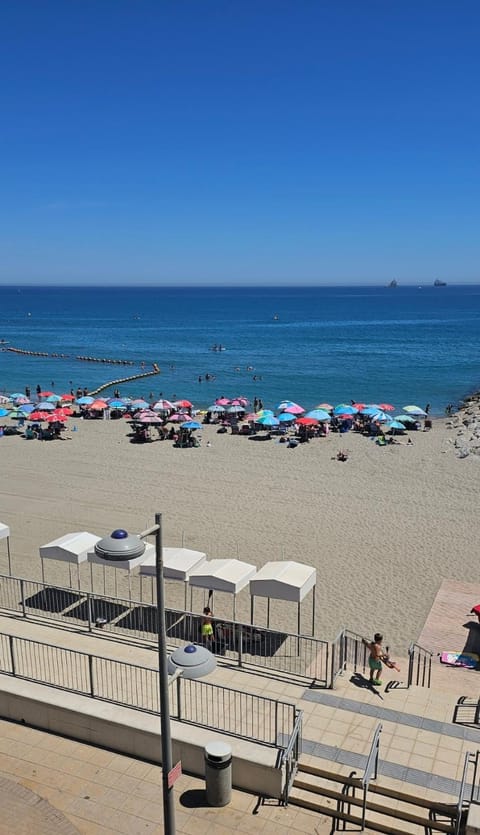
x=226 y=575
x=71 y=548
x=178 y=563
x=5 y=534
x=284 y=580
x=125 y=565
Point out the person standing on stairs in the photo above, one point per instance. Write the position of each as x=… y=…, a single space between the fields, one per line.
x=376 y=657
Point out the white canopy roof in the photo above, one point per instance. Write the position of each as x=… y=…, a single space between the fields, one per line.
x=4 y=531
x=223 y=575
x=284 y=581
x=127 y=565
x=177 y=563
x=72 y=547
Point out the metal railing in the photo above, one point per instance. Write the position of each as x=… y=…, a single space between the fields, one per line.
x=350 y=652
x=243 y=715
x=465 y=798
x=290 y=756
x=299 y=656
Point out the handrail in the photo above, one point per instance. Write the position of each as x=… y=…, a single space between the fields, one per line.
x=423 y=657
x=121 y=682
x=290 y=755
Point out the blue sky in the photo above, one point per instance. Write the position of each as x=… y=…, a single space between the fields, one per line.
x=198 y=142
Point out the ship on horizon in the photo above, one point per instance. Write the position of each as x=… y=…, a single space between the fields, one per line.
x=438 y=283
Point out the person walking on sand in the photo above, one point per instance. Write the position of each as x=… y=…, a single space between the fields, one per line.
x=376 y=657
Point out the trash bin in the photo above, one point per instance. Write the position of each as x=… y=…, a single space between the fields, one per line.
x=218 y=773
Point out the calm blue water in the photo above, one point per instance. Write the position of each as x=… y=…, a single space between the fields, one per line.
x=404 y=345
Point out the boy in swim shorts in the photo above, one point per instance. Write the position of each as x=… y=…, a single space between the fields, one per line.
x=375 y=658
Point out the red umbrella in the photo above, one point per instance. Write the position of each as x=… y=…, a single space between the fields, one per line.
x=386 y=407
x=38 y=415
x=53 y=418
x=359 y=406
x=304 y=421
x=63 y=411
x=98 y=405
x=182 y=404
x=68 y=397
x=46 y=393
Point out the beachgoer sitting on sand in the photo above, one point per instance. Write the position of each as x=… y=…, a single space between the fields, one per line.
x=342 y=455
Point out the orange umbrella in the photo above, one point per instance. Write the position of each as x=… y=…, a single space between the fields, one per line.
x=98 y=405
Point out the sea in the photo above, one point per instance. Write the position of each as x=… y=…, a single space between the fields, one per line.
x=407 y=345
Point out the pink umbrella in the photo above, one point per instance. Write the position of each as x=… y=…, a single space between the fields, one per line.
x=178 y=417
x=149 y=418
x=222 y=401
x=164 y=406
x=386 y=407
x=294 y=410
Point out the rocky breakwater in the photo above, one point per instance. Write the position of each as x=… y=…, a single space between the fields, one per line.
x=465 y=424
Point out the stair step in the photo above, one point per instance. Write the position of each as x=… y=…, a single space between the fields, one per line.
x=377 y=808
x=393 y=794
x=332 y=813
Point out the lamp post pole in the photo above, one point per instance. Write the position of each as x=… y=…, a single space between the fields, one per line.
x=168 y=804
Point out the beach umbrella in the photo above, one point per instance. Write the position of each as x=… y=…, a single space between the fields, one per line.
x=395 y=426
x=240 y=401
x=98 y=406
x=68 y=397
x=235 y=410
x=45 y=394
x=318 y=414
x=263 y=413
x=280 y=407
x=178 y=417
x=63 y=410
x=370 y=411
x=267 y=420
x=191 y=424
x=148 y=418
x=3 y=412
x=164 y=406
x=45 y=406
x=344 y=409
x=406 y=418
x=222 y=401
x=216 y=408
x=387 y=407
x=53 y=418
x=85 y=401
x=20 y=401
x=284 y=417
x=4 y=398
x=327 y=406
x=54 y=398
x=415 y=410
x=37 y=416
x=26 y=408
x=295 y=409
x=15 y=395
x=139 y=404
x=306 y=421
x=116 y=403
x=359 y=406
x=381 y=416
x=182 y=404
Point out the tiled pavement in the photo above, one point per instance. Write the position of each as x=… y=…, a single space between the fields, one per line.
x=103 y=792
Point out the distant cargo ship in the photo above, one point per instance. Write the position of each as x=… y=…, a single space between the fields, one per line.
x=392 y=284
x=438 y=283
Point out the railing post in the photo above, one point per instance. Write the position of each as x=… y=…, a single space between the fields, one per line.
x=179 y=699
x=12 y=654
x=89 y=611
x=90 y=672
x=22 y=598
x=240 y=644
x=276 y=722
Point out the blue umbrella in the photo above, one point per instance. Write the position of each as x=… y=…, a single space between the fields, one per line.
x=395 y=424
x=285 y=417
x=26 y=408
x=318 y=414
x=85 y=401
x=268 y=420
x=415 y=410
x=3 y=412
x=406 y=419
x=16 y=394
x=370 y=410
x=117 y=404
x=45 y=406
x=344 y=409
x=191 y=424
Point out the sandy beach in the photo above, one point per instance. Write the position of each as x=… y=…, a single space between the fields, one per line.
x=383 y=529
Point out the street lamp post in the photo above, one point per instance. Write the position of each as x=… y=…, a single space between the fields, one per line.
x=121 y=547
